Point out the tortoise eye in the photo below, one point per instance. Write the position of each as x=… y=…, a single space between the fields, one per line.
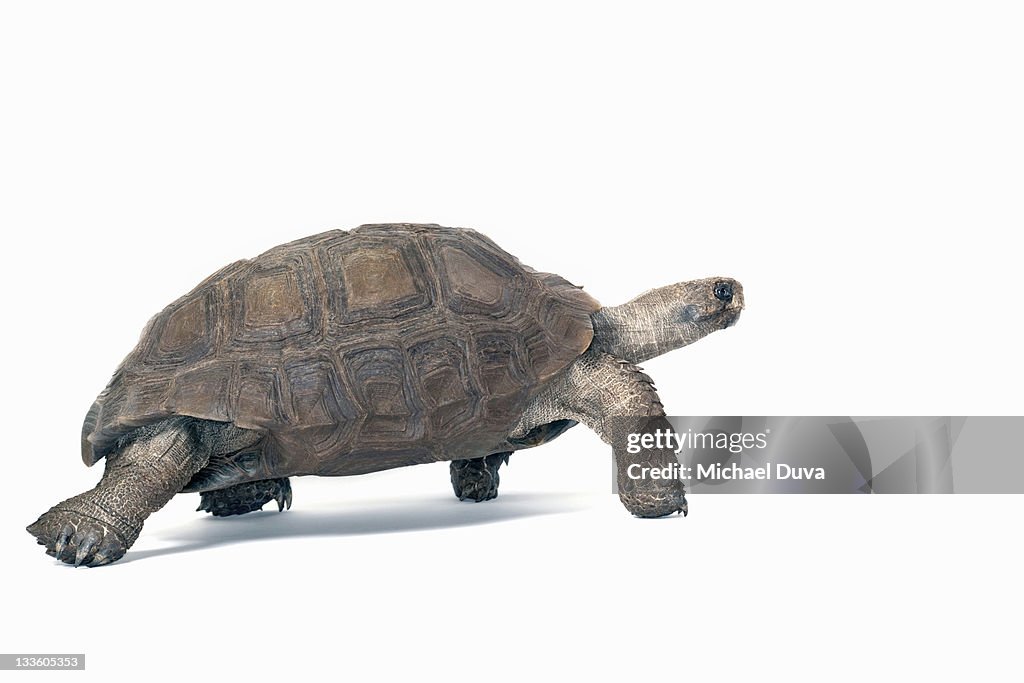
x=723 y=291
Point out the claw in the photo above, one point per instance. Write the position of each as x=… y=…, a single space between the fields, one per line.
x=85 y=547
x=284 y=496
x=62 y=539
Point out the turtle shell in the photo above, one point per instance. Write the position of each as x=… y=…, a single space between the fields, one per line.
x=352 y=352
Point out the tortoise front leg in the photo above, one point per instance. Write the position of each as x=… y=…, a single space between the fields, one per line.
x=477 y=479
x=616 y=399
x=97 y=527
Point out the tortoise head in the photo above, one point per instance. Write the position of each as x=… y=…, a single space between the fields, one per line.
x=711 y=304
x=668 y=318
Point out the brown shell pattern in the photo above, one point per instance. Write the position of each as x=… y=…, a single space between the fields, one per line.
x=353 y=351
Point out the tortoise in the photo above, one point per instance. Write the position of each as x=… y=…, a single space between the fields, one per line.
x=352 y=352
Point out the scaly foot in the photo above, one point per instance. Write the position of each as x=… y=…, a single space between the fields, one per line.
x=477 y=479
x=248 y=497
x=75 y=538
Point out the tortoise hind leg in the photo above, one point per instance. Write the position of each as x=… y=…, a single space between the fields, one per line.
x=97 y=527
x=477 y=479
x=247 y=497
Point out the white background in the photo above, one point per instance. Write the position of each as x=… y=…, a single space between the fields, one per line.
x=857 y=166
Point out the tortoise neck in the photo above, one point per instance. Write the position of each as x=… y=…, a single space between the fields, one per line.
x=643 y=328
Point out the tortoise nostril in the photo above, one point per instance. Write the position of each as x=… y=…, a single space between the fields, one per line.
x=723 y=291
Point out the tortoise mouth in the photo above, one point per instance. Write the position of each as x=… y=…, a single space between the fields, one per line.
x=727 y=317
